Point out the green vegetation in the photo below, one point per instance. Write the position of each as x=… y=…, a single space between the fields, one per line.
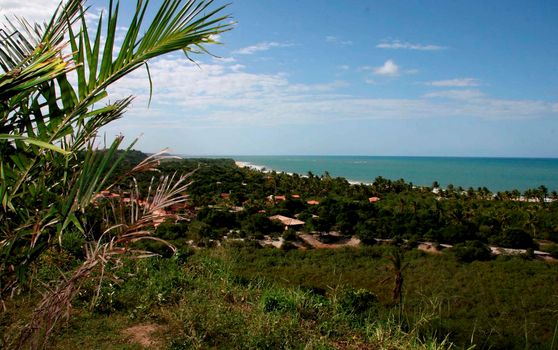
x=53 y=82
x=75 y=221
x=403 y=211
x=202 y=303
x=240 y=295
x=497 y=304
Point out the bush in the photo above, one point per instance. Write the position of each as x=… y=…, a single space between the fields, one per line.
x=514 y=238
x=143 y=285
x=471 y=251
x=357 y=301
x=73 y=243
x=277 y=300
x=456 y=233
x=552 y=249
x=290 y=235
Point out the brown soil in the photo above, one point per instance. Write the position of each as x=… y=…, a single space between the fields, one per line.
x=143 y=335
x=429 y=248
x=314 y=242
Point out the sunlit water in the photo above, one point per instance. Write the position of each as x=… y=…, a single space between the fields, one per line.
x=498 y=174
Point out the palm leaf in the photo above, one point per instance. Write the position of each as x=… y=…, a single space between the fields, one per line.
x=35 y=142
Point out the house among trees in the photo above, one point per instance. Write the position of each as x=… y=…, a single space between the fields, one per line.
x=273 y=198
x=287 y=221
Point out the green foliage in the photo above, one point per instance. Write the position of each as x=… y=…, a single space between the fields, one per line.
x=357 y=301
x=204 y=305
x=206 y=302
x=492 y=301
x=51 y=171
x=552 y=249
x=153 y=282
x=403 y=211
x=471 y=251
x=514 y=238
x=200 y=231
x=278 y=300
x=290 y=235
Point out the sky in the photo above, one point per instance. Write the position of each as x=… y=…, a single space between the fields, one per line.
x=352 y=77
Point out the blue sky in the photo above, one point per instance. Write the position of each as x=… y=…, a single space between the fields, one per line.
x=440 y=78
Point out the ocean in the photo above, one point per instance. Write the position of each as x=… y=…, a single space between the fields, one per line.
x=497 y=174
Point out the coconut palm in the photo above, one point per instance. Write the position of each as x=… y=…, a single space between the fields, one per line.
x=396 y=266
x=53 y=84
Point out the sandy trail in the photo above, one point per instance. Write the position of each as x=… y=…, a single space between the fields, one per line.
x=314 y=242
x=143 y=335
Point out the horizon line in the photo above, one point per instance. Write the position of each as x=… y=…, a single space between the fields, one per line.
x=361 y=155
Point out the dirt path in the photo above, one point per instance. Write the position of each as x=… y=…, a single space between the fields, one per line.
x=429 y=248
x=314 y=242
x=143 y=335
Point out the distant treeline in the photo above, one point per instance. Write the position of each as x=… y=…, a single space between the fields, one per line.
x=238 y=201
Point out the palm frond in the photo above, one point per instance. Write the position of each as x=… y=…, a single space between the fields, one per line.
x=53 y=80
x=177 y=26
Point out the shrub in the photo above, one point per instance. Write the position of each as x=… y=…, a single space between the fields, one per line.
x=514 y=238
x=289 y=235
x=277 y=300
x=471 y=251
x=552 y=249
x=73 y=243
x=357 y=301
x=153 y=282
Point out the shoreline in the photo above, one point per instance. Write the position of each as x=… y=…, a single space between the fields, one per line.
x=263 y=169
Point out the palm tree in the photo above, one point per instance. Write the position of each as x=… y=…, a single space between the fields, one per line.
x=532 y=223
x=542 y=193
x=50 y=168
x=397 y=266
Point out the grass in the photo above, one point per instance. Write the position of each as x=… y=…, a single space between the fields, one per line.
x=504 y=303
x=247 y=298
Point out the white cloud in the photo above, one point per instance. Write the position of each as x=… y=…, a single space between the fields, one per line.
x=389 y=68
x=460 y=82
x=93 y=15
x=237 y=67
x=35 y=11
x=41 y=11
x=397 y=44
x=337 y=41
x=316 y=88
x=215 y=37
x=456 y=94
x=187 y=96
x=224 y=59
x=264 y=46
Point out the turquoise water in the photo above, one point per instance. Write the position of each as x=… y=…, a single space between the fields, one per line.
x=498 y=174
